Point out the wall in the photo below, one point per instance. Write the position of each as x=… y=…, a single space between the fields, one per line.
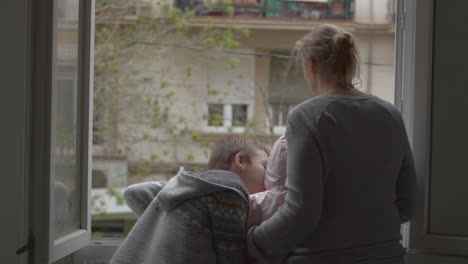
x=13 y=135
x=371 y=11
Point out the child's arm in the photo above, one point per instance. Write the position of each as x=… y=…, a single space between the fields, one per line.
x=139 y=196
x=265 y=204
x=273 y=239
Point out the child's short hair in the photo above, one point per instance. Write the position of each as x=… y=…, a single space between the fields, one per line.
x=225 y=150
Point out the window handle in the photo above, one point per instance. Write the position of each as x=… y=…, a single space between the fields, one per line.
x=28 y=247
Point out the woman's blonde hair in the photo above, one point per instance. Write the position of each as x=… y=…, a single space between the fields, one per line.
x=334 y=51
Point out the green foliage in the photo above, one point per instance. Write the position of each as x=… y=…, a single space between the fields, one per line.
x=253 y=123
x=206 y=144
x=190 y=157
x=97 y=234
x=229 y=10
x=116 y=195
x=211 y=90
x=233 y=63
x=154 y=157
x=164 y=84
x=215 y=120
x=198 y=169
x=136 y=100
x=196 y=136
x=188 y=71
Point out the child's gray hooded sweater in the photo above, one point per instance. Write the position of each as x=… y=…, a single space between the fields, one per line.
x=195 y=218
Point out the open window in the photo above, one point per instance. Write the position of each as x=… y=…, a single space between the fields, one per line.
x=61 y=129
x=179 y=105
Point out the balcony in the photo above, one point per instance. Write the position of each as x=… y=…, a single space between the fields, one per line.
x=295 y=9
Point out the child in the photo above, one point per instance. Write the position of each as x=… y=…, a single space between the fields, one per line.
x=262 y=204
x=197 y=217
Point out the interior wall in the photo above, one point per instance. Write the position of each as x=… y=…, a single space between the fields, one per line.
x=13 y=132
x=449 y=181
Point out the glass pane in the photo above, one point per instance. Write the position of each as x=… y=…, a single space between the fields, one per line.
x=215 y=114
x=284 y=114
x=65 y=151
x=239 y=115
x=287 y=83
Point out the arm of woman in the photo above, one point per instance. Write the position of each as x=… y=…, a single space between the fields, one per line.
x=271 y=241
x=406 y=184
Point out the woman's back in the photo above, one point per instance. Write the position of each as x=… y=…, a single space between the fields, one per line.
x=360 y=141
x=350 y=175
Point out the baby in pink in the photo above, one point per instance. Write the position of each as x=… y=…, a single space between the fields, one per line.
x=264 y=204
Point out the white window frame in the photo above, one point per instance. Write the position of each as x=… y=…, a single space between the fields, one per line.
x=414 y=76
x=227 y=119
x=408 y=81
x=277 y=130
x=47 y=249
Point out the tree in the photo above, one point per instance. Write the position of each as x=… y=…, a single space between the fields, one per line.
x=135 y=91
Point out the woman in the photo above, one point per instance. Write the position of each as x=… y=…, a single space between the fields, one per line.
x=351 y=178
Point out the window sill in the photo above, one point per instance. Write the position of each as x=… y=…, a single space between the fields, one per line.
x=99 y=251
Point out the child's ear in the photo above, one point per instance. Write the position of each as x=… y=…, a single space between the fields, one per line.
x=240 y=160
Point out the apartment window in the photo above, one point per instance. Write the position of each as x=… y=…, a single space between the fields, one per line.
x=176 y=111
x=287 y=88
x=279 y=113
x=239 y=115
x=227 y=118
x=216 y=115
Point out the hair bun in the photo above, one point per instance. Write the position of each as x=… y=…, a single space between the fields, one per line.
x=343 y=42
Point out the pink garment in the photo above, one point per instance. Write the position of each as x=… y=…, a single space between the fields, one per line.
x=264 y=204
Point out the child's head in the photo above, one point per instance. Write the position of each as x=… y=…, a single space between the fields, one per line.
x=243 y=156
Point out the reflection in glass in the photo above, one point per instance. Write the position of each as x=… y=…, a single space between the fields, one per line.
x=239 y=115
x=66 y=181
x=215 y=114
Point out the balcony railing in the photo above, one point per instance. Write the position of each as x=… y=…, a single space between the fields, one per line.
x=298 y=9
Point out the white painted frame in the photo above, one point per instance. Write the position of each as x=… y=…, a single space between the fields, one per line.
x=47 y=249
x=277 y=130
x=227 y=119
x=417 y=106
x=404 y=75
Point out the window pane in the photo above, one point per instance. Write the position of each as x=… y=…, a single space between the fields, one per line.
x=166 y=89
x=65 y=142
x=275 y=114
x=280 y=113
x=284 y=114
x=287 y=83
x=239 y=115
x=215 y=114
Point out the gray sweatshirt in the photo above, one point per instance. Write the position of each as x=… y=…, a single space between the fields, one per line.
x=351 y=183
x=195 y=218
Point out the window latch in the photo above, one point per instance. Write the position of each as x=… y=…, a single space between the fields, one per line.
x=28 y=247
